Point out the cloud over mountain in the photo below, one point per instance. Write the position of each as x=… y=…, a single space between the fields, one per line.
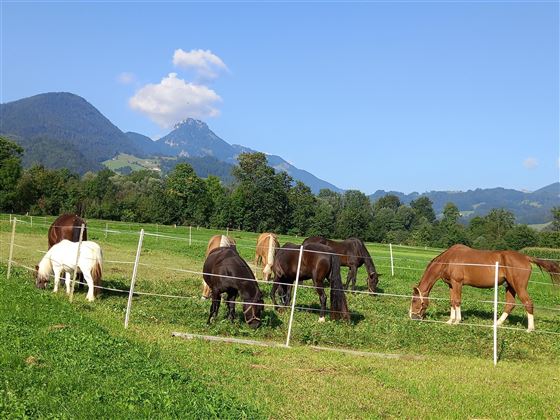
x=205 y=63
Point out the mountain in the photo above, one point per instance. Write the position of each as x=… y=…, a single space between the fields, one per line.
x=528 y=207
x=54 y=127
x=193 y=138
x=148 y=146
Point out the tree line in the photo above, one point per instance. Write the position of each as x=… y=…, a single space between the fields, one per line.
x=260 y=199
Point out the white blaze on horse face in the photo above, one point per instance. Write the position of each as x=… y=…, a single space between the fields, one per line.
x=530 y=323
x=452 y=316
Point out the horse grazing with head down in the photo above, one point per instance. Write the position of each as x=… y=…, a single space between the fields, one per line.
x=226 y=272
x=215 y=241
x=353 y=254
x=317 y=263
x=461 y=265
x=62 y=258
x=267 y=244
x=67 y=226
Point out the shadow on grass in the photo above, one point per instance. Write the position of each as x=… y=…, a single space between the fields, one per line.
x=315 y=308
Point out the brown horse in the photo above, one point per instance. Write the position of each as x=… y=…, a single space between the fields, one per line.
x=226 y=272
x=68 y=227
x=461 y=265
x=317 y=263
x=353 y=254
x=215 y=241
x=267 y=244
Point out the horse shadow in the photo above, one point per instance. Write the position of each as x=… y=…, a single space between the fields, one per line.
x=315 y=308
x=477 y=313
x=114 y=284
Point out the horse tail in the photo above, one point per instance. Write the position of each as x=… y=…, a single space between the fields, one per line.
x=551 y=267
x=97 y=271
x=339 y=306
x=269 y=256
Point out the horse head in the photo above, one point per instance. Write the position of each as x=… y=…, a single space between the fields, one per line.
x=373 y=280
x=419 y=304
x=41 y=280
x=253 y=311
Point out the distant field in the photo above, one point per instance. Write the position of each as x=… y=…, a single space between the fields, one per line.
x=455 y=377
x=135 y=163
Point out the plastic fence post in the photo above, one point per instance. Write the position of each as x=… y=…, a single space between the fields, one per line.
x=76 y=264
x=133 y=281
x=106 y=229
x=190 y=235
x=392 y=264
x=10 y=257
x=496 y=313
x=294 y=298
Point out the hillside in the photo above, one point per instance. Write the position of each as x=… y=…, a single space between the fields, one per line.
x=528 y=207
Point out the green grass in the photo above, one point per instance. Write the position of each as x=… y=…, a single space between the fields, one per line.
x=136 y=164
x=455 y=378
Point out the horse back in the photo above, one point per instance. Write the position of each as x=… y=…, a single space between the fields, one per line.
x=66 y=226
x=224 y=269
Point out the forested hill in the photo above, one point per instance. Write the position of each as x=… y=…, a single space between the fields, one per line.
x=528 y=207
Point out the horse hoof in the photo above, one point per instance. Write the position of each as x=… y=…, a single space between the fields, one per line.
x=322 y=319
x=450 y=322
x=530 y=330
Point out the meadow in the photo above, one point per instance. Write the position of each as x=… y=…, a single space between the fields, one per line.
x=426 y=369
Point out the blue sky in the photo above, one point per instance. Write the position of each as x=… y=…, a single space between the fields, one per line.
x=406 y=96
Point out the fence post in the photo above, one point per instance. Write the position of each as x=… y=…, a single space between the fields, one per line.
x=157 y=232
x=106 y=229
x=227 y=230
x=133 y=281
x=190 y=235
x=392 y=264
x=496 y=313
x=14 y=221
x=294 y=298
x=31 y=220
x=76 y=265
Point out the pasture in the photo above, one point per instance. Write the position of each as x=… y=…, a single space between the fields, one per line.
x=441 y=370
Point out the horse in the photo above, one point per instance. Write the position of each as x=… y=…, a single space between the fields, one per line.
x=353 y=254
x=267 y=244
x=62 y=257
x=226 y=272
x=66 y=226
x=215 y=242
x=317 y=263
x=461 y=265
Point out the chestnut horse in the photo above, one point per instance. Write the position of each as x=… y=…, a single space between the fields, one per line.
x=226 y=272
x=461 y=265
x=353 y=254
x=68 y=227
x=317 y=263
x=267 y=244
x=215 y=241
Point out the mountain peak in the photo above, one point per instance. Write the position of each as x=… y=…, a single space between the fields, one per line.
x=190 y=122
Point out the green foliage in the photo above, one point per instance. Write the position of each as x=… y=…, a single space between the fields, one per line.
x=356 y=217
x=521 y=236
x=302 y=206
x=10 y=172
x=423 y=207
x=541 y=252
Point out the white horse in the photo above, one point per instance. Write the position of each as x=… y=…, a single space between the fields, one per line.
x=62 y=258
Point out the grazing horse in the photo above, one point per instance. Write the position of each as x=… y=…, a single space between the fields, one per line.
x=62 y=257
x=226 y=272
x=317 y=263
x=267 y=244
x=215 y=241
x=68 y=227
x=461 y=265
x=353 y=254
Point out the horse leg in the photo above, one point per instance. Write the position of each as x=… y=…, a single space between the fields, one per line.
x=231 y=305
x=322 y=298
x=351 y=279
x=455 y=298
x=510 y=304
x=459 y=289
x=273 y=294
x=89 y=280
x=215 y=306
x=67 y=281
x=528 y=303
x=56 y=280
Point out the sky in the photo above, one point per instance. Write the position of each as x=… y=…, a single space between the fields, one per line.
x=404 y=96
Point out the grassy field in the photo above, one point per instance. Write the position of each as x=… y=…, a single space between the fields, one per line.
x=135 y=163
x=453 y=378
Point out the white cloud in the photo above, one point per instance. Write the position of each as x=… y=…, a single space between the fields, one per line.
x=205 y=63
x=530 y=163
x=126 y=78
x=173 y=100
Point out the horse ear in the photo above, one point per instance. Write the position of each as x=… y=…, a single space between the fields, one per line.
x=36 y=271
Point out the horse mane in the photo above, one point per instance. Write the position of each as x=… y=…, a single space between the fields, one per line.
x=45 y=265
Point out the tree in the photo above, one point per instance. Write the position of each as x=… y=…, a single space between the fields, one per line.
x=302 y=206
x=10 y=172
x=323 y=221
x=497 y=224
x=356 y=217
x=423 y=207
x=555 y=218
x=388 y=201
x=520 y=237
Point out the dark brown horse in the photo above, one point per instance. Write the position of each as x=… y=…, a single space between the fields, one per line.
x=68 y=226
x=353 y=254
x=215 y=241
x=461 y=265
x=226 y=272
x=317 y=263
